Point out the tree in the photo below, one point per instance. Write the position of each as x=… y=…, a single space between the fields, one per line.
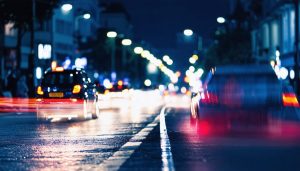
x=20 y=13
x=232 y=41
x=230 y=48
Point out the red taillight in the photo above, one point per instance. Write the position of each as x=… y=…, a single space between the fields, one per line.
x=209 y=98
x=290 y=99
x=76 y=89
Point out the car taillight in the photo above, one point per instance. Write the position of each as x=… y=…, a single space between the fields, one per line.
x=290 y=99
x=59 y=69
x=40 y=91
x=209 y=98
x=76 y=89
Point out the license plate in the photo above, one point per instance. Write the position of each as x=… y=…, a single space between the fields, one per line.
x=58 y=94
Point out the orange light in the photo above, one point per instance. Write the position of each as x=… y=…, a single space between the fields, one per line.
x=76 y=89
x=178 y=74
x=73 y=100
x=290 y=99
x=53 y=65
x=40 y=91
x=59 y=69
x=120 y=83
x=186 y=79
x=106 y=91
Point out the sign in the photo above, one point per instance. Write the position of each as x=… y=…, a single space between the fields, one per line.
x=44 y=51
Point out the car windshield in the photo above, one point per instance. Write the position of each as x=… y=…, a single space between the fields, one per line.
x=61 y=78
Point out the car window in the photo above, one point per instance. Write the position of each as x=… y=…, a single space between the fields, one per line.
x=62 y=78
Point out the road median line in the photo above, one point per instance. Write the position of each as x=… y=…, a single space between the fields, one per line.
x=165 y=145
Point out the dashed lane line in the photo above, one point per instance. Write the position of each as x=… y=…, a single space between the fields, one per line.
x=123 y=154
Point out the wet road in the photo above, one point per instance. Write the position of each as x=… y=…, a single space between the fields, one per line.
x=26 y=144
x=210 y=146
x=245 y=148
x=149 y=136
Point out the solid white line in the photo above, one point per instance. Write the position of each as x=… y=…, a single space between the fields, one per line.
x=124 y=153
x=166 y=153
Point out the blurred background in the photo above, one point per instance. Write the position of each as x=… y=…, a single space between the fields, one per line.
x=145 y=43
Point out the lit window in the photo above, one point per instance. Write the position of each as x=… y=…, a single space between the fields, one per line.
x=9 y=29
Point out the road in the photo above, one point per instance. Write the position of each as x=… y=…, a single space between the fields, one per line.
x=148 y=136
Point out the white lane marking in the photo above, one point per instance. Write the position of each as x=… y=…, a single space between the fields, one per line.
x=165 y=145
x=123 y=154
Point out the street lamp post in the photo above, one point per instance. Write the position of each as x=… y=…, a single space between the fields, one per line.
x=112 y=37
x=125 y=43
x=31 y=59
x=85 y=16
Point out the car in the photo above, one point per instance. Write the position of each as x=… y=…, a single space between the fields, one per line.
x=238 y=94
x=118 y=90
x=66 y=94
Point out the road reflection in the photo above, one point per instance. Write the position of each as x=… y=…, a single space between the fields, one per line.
x=17 y=105
x=269 y=124
x=28 y=144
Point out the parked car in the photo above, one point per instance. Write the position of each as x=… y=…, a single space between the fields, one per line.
x=234 y=95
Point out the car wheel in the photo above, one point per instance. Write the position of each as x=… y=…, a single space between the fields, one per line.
x=193 y=115
x=95 y=112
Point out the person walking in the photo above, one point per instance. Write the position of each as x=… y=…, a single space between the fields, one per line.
x=22 y=88
x=12 y=83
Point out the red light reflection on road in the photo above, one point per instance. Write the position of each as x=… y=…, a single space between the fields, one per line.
x=14 y=105
x=239 y=125
x=26 y=105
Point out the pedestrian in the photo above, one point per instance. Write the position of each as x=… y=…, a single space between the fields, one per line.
x=22 y=88
x=12 y=83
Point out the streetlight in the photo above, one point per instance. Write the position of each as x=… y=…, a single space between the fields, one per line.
x=166 y=58
x=193 y=59
x=126 y=42
x=145 y=53
x=138 y=50
x=170 y=62
x=66 y=8
x=87 y=16
x=221 y=20
x=147 y=83
x=188 y=32
x=112 y=35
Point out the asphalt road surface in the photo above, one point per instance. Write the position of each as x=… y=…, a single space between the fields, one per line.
x=150 y=136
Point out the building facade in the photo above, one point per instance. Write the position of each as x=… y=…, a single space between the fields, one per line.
x=55 y=39
x=273 y=38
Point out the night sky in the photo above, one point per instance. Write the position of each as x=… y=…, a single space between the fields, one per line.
x=158 y=21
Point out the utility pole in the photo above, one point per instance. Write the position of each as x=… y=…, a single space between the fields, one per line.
x=113 y=55
x=31 y=59
x=296 y=57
